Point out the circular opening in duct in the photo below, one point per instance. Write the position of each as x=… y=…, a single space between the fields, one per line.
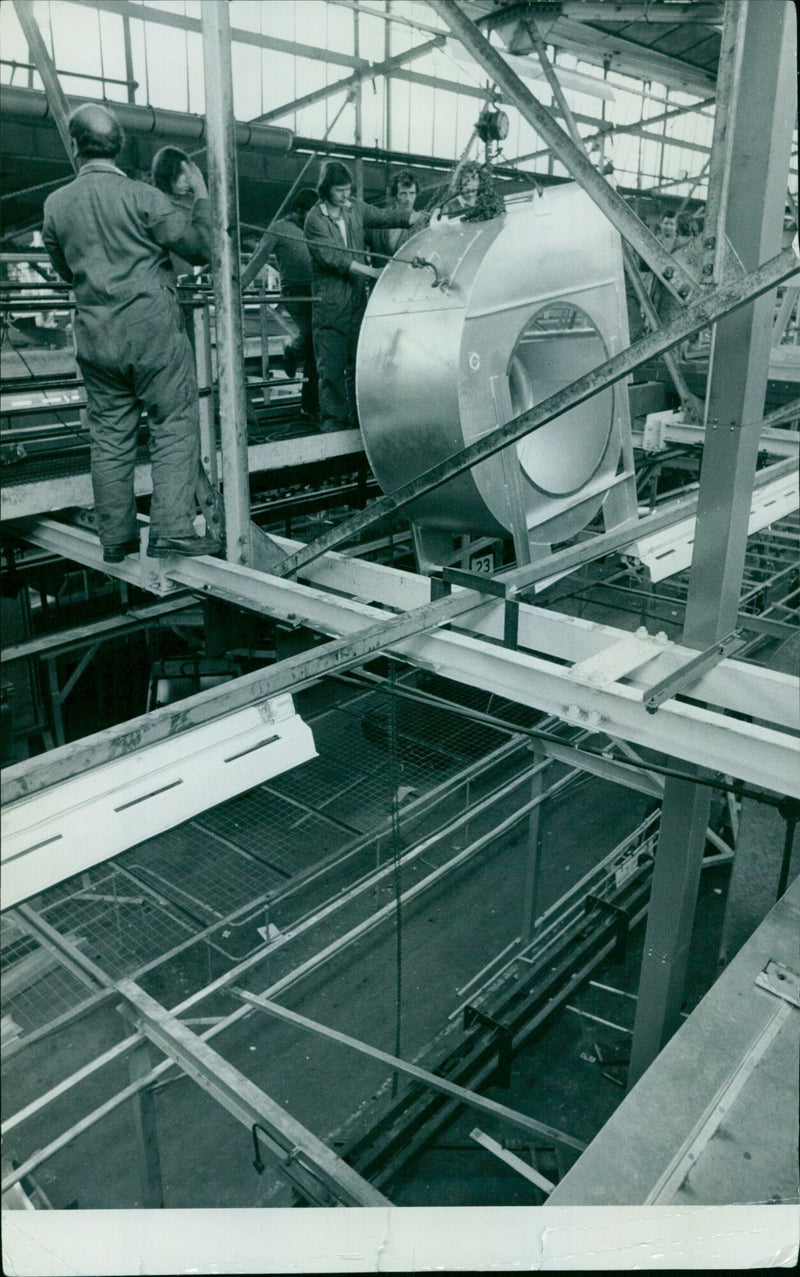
x=559 y=344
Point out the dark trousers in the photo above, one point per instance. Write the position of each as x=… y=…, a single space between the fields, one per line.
x=336 y=365
x=303 y=348
x=141 y=358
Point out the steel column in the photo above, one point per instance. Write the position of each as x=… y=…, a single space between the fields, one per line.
x=534 y=858
x=140 y=1063
x=729 y=73
x=761 y=145
x=220 y=131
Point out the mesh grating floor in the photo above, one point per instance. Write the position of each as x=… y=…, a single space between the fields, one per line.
x=119 y=923
x=36 y=987
x=136 y=909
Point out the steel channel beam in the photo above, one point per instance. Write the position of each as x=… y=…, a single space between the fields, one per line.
x=470 y=1098
x=673 y=274
x=220 y=127
x=694 y=733
x=631 y=11
x=761 y=138
x=340 y=901
x=707 y=310
x=251 y=1106
x=82 y=635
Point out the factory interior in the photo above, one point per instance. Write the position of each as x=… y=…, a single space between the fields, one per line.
x=431 y=840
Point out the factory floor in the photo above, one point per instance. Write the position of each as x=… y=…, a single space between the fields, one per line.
x=449 y=934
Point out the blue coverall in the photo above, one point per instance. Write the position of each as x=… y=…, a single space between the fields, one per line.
x=340 y=301
x=110 y=238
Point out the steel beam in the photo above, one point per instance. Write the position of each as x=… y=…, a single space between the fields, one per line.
x=595 y=45
x=761 y=146
x=707 y=310
x=758 y=754
x=744 y=690
x=729 y=73
x=633 y=11
x=302 y=1158
x=542 y=683
x=469 y=1098
x=672 y=273
x=59 y=107
x=140 y=1063
x=83 y=635
x=373 y=71
x=239 y=35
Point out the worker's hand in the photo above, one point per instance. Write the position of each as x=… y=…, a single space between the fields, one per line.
x=374 y=272
x=196 y=180
x=416 y=216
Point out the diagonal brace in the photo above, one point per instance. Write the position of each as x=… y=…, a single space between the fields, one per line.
x=436 y=1083
x=709 y=308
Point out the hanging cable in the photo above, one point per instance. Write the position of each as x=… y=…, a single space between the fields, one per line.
x=394 y=782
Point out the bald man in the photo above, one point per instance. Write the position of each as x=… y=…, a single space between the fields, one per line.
x=110 y=238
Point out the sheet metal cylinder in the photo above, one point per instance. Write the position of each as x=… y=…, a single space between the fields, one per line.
x=533 y=299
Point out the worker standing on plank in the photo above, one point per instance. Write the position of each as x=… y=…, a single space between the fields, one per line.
x=334 y=231
x=110 y=238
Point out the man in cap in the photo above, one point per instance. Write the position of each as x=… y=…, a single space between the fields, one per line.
x=110 y=238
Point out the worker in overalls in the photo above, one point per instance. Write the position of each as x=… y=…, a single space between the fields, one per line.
x=334 y=231
x=110 y=238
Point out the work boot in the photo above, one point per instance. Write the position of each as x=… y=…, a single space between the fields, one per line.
x=290 y=361
x=163 y=547
x=116 y=553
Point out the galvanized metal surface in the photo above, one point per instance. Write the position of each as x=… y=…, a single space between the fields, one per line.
x=532 y=300
x=707 y=310
x=56 y=835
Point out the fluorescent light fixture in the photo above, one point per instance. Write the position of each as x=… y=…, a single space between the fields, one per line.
x=70 y=827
